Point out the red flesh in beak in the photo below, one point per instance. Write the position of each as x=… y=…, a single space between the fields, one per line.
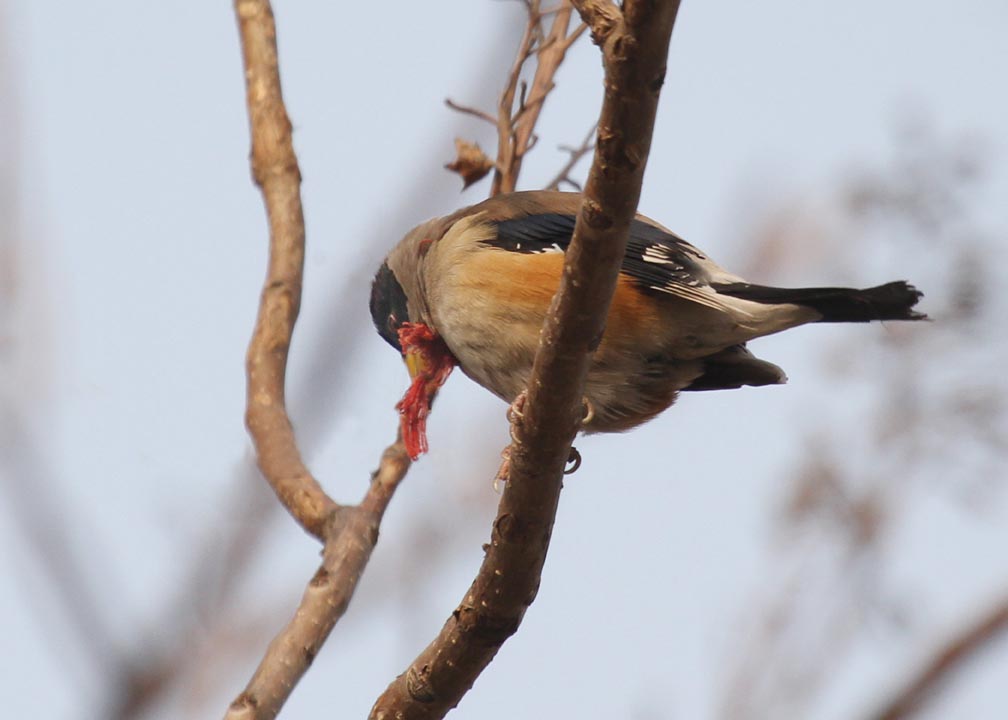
x=430 y=362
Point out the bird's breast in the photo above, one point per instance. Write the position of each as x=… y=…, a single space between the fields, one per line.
x=489 y=308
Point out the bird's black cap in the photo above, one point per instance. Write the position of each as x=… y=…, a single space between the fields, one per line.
x=388 y=305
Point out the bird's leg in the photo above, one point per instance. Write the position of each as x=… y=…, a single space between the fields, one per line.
x=515 y=414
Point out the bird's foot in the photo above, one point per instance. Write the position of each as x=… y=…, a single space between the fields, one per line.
x=516 y=413
x=504 y=471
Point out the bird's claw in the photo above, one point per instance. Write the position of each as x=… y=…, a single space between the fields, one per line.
x=575 y=459
x=516 y=411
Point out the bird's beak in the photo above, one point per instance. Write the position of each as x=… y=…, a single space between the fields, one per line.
x=416 y=362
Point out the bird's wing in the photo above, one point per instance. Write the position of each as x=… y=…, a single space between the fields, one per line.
x=658 y=260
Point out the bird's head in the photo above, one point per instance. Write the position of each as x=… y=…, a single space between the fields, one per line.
x=427 y=358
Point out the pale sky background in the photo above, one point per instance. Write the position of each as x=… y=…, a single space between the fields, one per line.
x=141 y=248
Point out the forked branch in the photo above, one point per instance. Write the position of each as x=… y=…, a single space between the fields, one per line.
x=349 y=533
x=327 y=596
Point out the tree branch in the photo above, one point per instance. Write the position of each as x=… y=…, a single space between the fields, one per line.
x=634 y=53
x=505 y=124
x=514 y=129
x=349 y=533
x=326 y=598
x=551 y=55
x=275 y=170
x=948 y=660
x=475 y=112
x=601 y=16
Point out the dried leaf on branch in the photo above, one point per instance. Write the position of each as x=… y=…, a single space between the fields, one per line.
x=470 y=162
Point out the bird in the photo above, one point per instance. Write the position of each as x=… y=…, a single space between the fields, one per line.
x=472 y=289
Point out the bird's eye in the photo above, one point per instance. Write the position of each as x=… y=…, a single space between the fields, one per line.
x=392 y=322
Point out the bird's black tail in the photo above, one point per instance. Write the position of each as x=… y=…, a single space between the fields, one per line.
x=892 y=301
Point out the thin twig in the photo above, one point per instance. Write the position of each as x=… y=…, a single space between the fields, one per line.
x=946 y=662
x=475 y=112
x=509 y=577
x=552 y=10
x=516 y=129
x=576 y=33
x=505 y=127
x=550 y=57
x=575 y=157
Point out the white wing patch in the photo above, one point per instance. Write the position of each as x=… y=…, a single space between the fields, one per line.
x=658 y=255
x=554 y=248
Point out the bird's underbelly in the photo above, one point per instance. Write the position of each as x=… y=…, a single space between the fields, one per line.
x=636 y=371
x=624 y=387
x=621 y=397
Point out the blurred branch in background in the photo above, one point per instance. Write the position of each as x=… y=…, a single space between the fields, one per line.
x=53 y=573
x=939 y=428
x=576 y=155
x=950 y=659
x=64 y=570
